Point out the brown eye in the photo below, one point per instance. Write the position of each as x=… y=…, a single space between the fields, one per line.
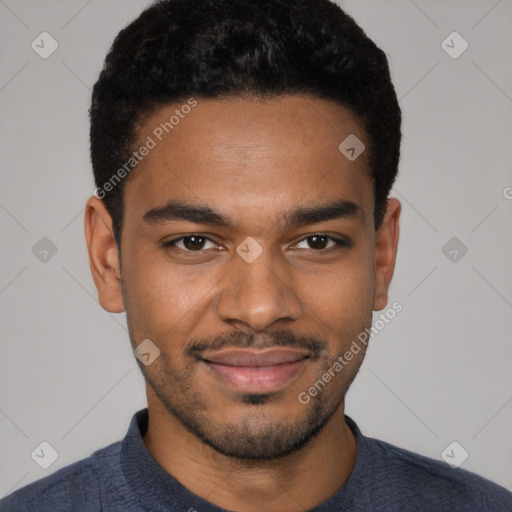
x=189 y=243
x=194 y=242
x=319 y=242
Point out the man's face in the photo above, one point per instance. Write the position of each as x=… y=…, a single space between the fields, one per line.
x=249 y=315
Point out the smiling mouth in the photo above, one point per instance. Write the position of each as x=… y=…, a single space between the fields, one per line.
x=256 y=371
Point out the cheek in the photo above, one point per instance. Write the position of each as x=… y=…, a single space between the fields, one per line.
x=342 y=302
x=164 y=298
x=344 y=287
x=341 y=299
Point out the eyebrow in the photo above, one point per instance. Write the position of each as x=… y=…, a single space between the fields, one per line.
x=176 y=210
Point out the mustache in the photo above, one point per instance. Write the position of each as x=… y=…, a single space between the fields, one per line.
x=241 y=339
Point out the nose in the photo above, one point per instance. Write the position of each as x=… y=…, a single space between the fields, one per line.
x=259 y=293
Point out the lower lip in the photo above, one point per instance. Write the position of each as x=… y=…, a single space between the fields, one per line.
x=264 y=379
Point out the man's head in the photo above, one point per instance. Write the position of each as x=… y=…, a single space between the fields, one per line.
x=254 y=227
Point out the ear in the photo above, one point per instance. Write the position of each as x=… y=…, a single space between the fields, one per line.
x=386 y=246
x=103 y=255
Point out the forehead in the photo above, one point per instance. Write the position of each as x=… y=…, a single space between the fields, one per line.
x=248 y=156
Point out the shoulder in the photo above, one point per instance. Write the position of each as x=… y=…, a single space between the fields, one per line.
x=78 y=486
x=433 y=482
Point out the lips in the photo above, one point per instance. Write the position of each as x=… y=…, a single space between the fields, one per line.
x=256 y=371
x=256 y=358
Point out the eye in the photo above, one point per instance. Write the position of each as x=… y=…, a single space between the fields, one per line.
x=318 y=242
x=190 y=243
x=196 y=242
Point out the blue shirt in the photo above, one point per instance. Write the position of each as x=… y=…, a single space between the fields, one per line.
x=124 y=477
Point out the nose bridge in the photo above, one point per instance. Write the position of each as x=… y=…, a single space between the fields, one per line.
x=259 y=291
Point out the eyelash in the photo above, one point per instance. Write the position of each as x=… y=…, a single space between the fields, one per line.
x=340 y=243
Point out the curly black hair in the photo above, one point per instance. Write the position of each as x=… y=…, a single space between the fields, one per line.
x=177 y=49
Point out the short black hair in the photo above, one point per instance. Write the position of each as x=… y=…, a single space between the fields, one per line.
x=178 y=49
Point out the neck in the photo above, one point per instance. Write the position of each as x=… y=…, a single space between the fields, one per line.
x=299 y=481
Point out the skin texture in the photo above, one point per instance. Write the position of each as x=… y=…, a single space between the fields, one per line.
x=254 y=161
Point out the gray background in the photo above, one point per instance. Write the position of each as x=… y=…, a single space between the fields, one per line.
x=438 y=373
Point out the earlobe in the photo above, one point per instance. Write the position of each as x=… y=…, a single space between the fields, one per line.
x=386 y=247
x=103 y=255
